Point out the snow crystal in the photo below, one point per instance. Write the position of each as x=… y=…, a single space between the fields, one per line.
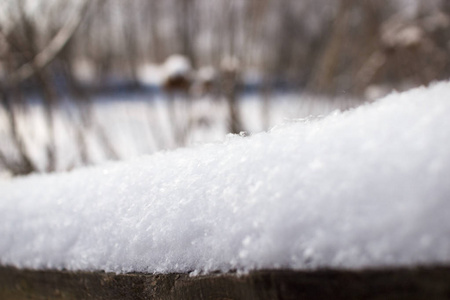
x=363 y=188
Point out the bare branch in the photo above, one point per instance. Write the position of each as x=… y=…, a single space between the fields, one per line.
x=54 y=47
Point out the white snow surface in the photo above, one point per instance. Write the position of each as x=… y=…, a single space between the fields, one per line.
x=369 y=187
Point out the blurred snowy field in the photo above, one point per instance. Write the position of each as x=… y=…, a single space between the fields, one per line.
x=139 y=123
x=368 y=187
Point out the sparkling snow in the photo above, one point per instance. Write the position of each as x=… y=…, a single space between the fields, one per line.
x=369 y=187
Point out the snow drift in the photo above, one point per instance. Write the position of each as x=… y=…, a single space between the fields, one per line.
x=368 y=187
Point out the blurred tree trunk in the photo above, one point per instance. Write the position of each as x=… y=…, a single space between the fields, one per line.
x=43 y=79
x=50 y=104
x=158 y=51
x=324 y=80
x=231 y=71
x=185 y=25
x=370 y=59
x=25 y=165
x=131 y=39
x=230 y=90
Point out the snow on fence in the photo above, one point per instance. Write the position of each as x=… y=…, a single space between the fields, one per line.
x=369 y=187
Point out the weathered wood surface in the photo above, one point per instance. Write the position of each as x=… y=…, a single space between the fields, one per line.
x=419 y=283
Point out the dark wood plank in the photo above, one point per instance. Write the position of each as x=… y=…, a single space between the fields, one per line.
x=400 y=283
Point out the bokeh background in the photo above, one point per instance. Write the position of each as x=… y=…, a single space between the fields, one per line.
x=85 y=81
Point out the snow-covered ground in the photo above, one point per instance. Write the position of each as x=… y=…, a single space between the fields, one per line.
x=139 y=123
x=368 y=187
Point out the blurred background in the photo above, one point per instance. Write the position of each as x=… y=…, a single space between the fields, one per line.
x=84 y=81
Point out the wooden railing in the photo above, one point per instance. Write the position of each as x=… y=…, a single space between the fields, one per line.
x=401 y=283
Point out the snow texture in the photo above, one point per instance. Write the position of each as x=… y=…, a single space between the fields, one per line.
x=369 y=187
